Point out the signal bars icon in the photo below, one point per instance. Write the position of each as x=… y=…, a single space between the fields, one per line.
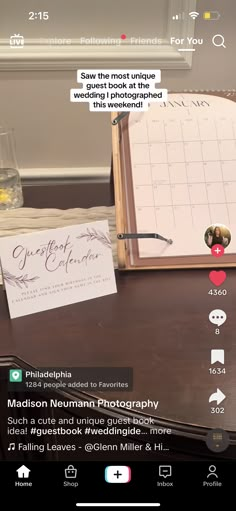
x=178 y=17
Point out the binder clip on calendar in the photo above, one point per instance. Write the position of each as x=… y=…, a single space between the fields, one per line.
x=139 y=235
x=119 y=118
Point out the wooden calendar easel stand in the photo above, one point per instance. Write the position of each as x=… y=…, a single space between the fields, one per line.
x=136 y=254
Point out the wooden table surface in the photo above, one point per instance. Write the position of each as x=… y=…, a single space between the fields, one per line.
x=157 y=323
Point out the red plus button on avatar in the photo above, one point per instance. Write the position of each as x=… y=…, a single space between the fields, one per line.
x=217 y=250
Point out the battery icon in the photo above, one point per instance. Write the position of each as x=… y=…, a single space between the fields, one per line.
x=211 y=15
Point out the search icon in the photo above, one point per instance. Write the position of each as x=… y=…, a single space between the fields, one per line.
x=218 y=40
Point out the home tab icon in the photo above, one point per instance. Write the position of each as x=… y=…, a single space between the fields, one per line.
x=23 y=472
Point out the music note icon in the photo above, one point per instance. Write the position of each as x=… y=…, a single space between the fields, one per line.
x=11 y=447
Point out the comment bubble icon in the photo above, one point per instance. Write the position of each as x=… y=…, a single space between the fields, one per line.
x=217 y=317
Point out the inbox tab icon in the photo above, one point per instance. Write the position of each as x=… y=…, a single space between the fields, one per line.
x=165 y=471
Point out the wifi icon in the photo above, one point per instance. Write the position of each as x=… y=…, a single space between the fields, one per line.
x=194 y=15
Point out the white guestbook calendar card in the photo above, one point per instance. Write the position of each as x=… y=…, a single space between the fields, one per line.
x=48 y=269
x=183 y=161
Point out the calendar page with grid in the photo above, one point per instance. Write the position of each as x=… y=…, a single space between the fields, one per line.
x=183 y=165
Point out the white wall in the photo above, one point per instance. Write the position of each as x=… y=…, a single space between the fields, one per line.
x=51 y=132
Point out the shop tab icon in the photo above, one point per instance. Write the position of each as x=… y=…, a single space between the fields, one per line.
x=71 y=472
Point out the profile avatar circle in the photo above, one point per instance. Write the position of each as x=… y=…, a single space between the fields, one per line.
x=217 y=237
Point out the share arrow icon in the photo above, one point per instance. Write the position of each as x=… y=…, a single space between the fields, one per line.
x=218 y=396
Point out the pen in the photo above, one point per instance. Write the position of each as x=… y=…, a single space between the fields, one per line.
x=127 y=236
x=119 y=118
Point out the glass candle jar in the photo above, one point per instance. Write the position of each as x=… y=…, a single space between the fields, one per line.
x=10 y=184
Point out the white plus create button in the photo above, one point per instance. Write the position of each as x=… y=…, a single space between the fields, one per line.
x=117 y=474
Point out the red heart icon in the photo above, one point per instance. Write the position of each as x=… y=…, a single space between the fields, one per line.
x=217 y=277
